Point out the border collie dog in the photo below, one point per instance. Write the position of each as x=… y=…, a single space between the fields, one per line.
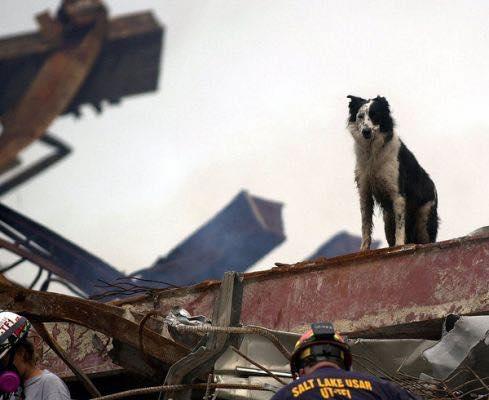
x=388 y=173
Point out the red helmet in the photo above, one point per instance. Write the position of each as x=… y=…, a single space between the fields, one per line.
x=320 y=343
x=13 y=328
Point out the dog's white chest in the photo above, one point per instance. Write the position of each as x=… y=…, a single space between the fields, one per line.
x=379 y=170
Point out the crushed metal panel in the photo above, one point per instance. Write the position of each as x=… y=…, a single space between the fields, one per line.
x=242 y=233
x=466 y=344
x=388 y=357
x=232 y=368
x=74 y=264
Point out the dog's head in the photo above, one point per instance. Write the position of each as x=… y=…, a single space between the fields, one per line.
x=370 y=121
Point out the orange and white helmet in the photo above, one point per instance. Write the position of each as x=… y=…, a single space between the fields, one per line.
x=13 y=328
x=320 y=343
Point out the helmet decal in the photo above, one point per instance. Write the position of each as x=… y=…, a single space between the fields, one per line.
x=321 y=342
x=13 y=328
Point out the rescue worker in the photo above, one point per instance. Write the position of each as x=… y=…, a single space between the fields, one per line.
x=321 y=364
x=20 y=378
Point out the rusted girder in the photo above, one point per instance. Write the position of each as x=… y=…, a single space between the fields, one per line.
x=54 y=253
x=34 y=258
x=405 y=288
x=51 y=92
x=128 y=64
x=107 y=319
x=59 y=151
x=49 y=340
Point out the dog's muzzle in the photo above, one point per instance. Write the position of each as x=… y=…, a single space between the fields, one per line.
x=367 y=133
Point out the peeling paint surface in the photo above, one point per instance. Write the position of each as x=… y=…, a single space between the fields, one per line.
x=88 y=353
x=359 y=291
x=421 y=283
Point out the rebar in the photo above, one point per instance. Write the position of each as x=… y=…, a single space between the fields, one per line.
x=428 y=390
x=176 y=388
x=210 y=378
x=124 y=286
x=140 y=334
x=249 y=329
x=258 y=365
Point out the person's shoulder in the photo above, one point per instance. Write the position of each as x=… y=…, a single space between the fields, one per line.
x=341 y=373
x=398 y=391
x=284 y=392
x=52 y=383
x=361 y=375
x=48 y=376
x=392 y=389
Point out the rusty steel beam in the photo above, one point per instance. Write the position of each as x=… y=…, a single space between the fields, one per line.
x=243 y=232
x=51 y=91
x=128 y=64
x=59 y=151
x=54 y=253
x=42 y=331
x=372 y=293
x=107 y=319
x=35 y=258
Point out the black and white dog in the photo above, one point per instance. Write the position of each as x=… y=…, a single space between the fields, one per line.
x=388 y=173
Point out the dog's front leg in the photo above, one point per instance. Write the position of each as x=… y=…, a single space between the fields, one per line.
x=367 y=210
x=400 y=218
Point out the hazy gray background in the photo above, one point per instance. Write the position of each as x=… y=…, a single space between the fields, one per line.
x=253 y=95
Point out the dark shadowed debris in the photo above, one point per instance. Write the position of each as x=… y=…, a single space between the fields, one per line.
x=68 y=260
x=340 y=244
x=128 y=64
x=238 y=236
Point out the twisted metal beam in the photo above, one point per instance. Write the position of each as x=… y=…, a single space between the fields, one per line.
x=104 y=318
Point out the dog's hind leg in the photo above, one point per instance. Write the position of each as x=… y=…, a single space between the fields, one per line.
x=411 y=234
x=426 y=223
x=399 y=205
x=389 y=227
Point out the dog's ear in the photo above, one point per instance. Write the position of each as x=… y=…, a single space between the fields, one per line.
x=382 y=101
x=354 y=105
x=381 y=114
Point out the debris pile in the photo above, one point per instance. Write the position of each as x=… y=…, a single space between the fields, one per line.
x=414 y=314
